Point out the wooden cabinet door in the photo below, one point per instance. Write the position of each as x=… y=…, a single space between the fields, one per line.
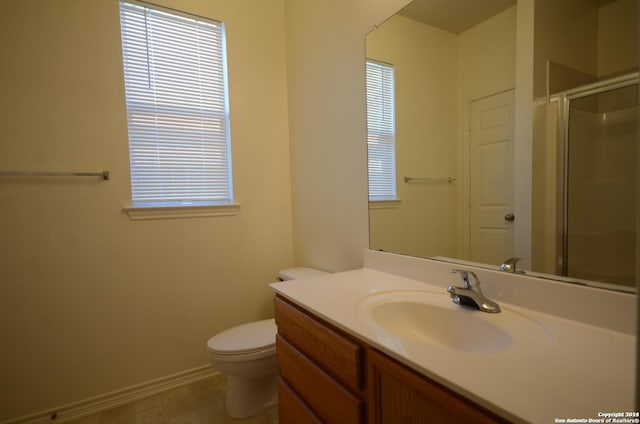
x=398 y=395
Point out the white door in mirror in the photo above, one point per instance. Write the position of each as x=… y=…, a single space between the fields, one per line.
x=491 y=174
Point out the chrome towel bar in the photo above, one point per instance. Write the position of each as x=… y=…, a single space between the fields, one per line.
x=102 y=174
x=429 y=180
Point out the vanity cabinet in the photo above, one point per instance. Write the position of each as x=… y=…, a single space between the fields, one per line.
x=400 y=395
x=327 y=376
x=322 y=370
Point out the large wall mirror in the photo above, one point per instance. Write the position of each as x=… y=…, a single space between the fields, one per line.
x=449 y=104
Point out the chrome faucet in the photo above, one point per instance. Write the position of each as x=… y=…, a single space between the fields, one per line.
x=510 y=266
x=470 y=295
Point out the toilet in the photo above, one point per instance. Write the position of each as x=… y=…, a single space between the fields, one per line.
x=247 y=355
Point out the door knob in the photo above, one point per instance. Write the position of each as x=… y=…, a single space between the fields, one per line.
x=509 y=217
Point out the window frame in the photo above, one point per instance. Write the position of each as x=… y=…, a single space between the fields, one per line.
x=180 y=181
x=384 y=113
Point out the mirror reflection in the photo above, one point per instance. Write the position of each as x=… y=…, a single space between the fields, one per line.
x=451 y=175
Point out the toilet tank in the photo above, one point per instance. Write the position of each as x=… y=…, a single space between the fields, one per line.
x=298 y=273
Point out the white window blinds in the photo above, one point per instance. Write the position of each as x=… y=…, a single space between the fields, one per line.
x=177 y=107
x=381 y=131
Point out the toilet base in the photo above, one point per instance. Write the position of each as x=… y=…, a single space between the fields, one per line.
x=249 y=396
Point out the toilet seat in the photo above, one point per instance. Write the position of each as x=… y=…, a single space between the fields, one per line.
x=257 y=337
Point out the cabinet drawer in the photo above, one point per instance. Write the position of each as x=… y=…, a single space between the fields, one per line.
x=327 y=398
x=336 y=354
x=292 y=409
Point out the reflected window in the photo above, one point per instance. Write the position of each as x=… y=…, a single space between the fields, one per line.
x=381 y=131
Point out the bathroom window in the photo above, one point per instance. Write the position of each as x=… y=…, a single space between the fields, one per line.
x=177 y=108
x=381 y=131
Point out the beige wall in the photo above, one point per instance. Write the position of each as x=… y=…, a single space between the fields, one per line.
x=487 y=57
x=566 y=32
x=326 y=83
x=486 y=66
x=90 y=301
x=618 y=37
x=426 y=85
x=438 y=73
x=583 y=43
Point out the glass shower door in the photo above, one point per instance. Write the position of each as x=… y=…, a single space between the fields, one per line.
x=600 y=186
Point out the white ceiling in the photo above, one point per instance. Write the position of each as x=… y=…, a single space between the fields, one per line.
x=457 y=16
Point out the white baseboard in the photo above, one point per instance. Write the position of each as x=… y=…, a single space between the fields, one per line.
x=114 y=399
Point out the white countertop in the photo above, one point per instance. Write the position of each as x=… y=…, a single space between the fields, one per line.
x=579 y=371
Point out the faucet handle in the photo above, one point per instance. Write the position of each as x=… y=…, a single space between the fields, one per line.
x=465 y=277
x=510 y=265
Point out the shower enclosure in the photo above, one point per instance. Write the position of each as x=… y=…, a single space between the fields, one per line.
x=599 y=126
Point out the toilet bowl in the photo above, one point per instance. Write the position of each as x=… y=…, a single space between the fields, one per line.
x=247 y=355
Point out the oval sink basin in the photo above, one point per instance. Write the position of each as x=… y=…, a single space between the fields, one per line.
x=430 y=317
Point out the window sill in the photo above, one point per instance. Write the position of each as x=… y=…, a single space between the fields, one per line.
x=384 y=204
x=171 y=212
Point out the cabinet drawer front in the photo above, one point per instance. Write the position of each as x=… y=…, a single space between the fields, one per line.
x=292 y=409
x=328 y=399
x=335 y=353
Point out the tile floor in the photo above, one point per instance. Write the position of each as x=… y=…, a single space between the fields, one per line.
x=201 y=402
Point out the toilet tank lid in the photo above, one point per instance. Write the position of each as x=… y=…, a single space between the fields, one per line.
x=298 y=273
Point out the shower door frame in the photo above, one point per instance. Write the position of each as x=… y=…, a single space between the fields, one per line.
x=564 y=102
